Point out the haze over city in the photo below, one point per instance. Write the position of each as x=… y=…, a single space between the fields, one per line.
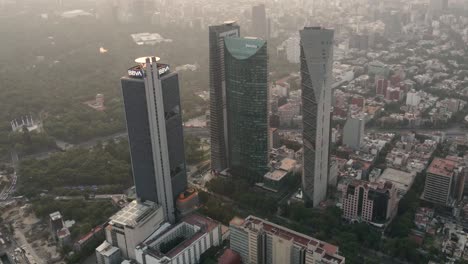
x=255 y=132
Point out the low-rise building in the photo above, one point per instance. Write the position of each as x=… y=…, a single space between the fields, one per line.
x=181 y=243
x=132 y=225
x=275 y=179
x=108 y=254
x=401 y=180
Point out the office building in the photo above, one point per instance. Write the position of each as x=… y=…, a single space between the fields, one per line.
x=439 y=182
x=182 y=243
x=132 y=225
x=375 y=202
x=394 y=94
x=293 y=53
x=55 y=223
x=230 y=257
x=316 y=73
x=359 y=41
x=400 y=179
x=246 y=71
x=274 y=138
x=155 y=135
x=353 y=131
x=259 y=22
x=287 y=113
x=218 y=121
x=379 y=69
x=381 y=86
x=258 y=241
x=413 y=98
x=108 y=254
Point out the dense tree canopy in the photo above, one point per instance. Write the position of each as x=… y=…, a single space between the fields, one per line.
x=101 y=165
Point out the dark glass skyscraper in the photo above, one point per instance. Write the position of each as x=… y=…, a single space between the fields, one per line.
x=218 y=125
x=155 y=133
x=246 y=69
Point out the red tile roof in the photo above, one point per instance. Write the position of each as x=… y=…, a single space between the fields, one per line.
x=442 y=167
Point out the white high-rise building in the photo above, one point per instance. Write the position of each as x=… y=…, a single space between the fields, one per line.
x=316 y=72
x=293 y=52
x=413 y=98
x=353 y=131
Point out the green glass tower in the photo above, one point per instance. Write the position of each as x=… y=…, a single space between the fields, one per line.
x=246 y=69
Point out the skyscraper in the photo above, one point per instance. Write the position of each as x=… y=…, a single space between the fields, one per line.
x=218 y=124
x=246 y=70
x=259 y=21
x=316 y=72
x=155 y=134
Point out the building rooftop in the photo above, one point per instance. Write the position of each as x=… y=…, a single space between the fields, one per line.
x=91 y=234
x=133 y=213
x=310 y=243
x=442 y=167
x=402 y=180
x=64 y=232
x=287 y=164
x=380 y=186
x=106 y=249
x=229 y=257
x=275 y=175
x=202 y=226
x=55 y=216
x=243 y=48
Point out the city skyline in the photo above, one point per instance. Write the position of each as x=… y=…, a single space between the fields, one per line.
x=293 y=132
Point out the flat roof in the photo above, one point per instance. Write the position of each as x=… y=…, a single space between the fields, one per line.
x=205 y=224
x=107 y=249
x=55 y=216
x=288 y=164
x=402 y=180
x=133 y=213
x=442 y=167
x=275 y=175
x=331 y=251
x=237 y=221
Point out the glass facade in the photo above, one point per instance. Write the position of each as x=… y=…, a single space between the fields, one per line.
x=247 y=106
x=218 y=133
x=139 y=135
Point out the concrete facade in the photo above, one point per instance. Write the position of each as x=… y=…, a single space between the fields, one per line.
x=353 y=132
x=258 y=241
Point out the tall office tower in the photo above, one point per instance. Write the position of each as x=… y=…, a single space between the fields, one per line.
x=259 y=22
x=258 y=241
x=353 y=131
x=155 y=134
x=316 y=73
x=218 y=124
x=246 y=69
